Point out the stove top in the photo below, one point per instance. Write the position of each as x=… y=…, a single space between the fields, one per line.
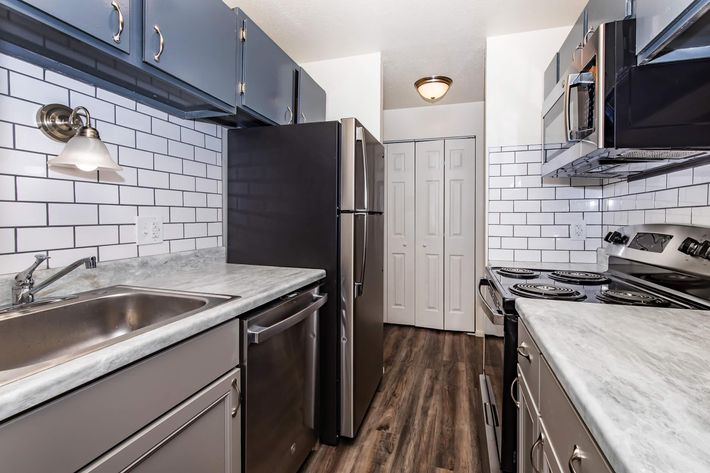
x=579 y=277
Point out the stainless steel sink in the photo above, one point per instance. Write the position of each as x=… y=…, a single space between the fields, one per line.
x=40 y=335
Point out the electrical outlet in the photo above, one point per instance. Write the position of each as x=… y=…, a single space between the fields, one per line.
x=149 y=230
x=578 y=231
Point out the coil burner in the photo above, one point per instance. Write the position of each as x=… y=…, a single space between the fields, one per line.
x=518 y=273
x=579 y=277
x=547 y=291
x=627 y=297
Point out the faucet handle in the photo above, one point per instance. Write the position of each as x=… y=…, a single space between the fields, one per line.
x=26 y=275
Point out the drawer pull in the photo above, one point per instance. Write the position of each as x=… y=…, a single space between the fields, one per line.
x=539 y=442
x=512 y=392
x=577 y=456
x=117 y=35
x=523 y=351
x=237 y=399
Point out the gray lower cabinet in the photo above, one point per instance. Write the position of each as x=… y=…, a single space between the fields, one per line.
x=172 y=408
x=552 y=438
x=268 y=76
x=107 y=20
x=201 y=435
x=311 y=99
x=195 y=42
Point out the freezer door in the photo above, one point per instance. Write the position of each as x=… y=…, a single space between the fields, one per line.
x=362 y=316
x=362 y=169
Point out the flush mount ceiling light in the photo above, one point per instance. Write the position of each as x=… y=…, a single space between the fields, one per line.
x=433 y=88
x=84 y=149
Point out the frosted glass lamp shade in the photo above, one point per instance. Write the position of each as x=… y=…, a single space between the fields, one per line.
x=433 y=89
x=85 y=153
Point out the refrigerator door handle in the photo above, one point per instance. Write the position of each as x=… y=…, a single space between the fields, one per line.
x=360 y=285
x=360 y=136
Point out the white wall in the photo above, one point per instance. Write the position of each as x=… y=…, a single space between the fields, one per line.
x=434 y=121
x=515 y=65
x=354 y=88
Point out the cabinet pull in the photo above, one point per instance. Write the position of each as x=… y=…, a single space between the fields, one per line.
x=237 y=397
x=523 y=351
x=577 y=456
x=290 y=115
x=512 y=392
x=303 y=117
x=117 y=7
x=538 y=442
x=161 y=45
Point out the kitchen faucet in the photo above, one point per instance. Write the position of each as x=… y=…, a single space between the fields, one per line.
x=24 y=289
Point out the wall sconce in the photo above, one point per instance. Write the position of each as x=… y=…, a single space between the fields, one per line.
x=432 y=89
x=84 y=149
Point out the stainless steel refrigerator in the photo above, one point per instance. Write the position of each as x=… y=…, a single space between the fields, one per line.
x=312 y=195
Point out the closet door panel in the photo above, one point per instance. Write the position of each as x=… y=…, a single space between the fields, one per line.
x=400 y=234
x=430 y=256
x=459 y=241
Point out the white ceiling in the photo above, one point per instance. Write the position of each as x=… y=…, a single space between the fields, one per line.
x=416 y=37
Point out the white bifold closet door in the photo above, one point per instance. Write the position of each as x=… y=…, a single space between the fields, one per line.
x=459 y=239
x=400 y=234
x=429 y=260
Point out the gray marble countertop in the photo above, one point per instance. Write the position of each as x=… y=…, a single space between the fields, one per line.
x=638 y=377
x=202 y=271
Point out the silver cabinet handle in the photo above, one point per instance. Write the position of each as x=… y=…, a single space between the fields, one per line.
x=237 y=397
x=161 y=46
x=512 y=392
x=523 y=351
x=577 y=456
x=290 y=115
x=540 y=440
x=303 y=117
x=117 y=7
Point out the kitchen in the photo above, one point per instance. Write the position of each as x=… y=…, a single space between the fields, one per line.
x=266 y=237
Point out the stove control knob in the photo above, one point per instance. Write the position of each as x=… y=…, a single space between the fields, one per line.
x=690 y=247
x=616 y=237
x=704 y=250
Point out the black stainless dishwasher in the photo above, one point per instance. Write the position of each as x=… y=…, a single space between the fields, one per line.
x=280 y=370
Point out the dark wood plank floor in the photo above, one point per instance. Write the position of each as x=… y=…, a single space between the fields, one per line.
x=426 y=416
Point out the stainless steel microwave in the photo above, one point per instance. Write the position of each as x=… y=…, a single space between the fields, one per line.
x=608 y=117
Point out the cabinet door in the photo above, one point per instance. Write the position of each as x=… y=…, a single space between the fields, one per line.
x=529 y=433
x=195 y=42
x=268 y=76
x=400 y=234
x=459 y=240
x=430 y=234
x=311 y=99
x=604 y=11
x=570 y=50
x=107 y=20
x=202 y=434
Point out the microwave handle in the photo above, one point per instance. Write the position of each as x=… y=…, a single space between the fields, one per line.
x=568 y=89
x=574 y=81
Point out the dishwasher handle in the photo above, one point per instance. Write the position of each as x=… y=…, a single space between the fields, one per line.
x=257 y=334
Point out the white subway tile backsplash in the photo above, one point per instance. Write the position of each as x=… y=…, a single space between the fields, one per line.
x=500 y=230
x=542 y=193
x=44 y=190
x=502 y=158
x=512 y=218
x=61 y=209
x=541 y=218
x=528 y=157
x=555 y=205
x=500 y=255
x=533 y=256
x=501 y=206
x=679 y=216
x=513 y=194
x=694 y=196
x=541 y=244
x=513 y=170
x=555 y=256
x=528 y=181
x=73 y=214
x=527 y=206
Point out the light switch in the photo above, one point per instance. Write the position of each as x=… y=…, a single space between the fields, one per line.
x=149 y=230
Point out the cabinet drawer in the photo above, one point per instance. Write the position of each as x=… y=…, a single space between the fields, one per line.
x=529 y=362
x=202 y=434
x=95 y=418
x=565 y=430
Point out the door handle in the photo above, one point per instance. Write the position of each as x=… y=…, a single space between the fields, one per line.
x=360 y=285
x=161 y=45
x=303 y=117
x=258 y=334
x=117 y=35
x=366 y=190
x=290 y=115
x=237 y=399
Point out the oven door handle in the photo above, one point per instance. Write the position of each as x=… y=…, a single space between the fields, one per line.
x=485 y=282
x=257 y=334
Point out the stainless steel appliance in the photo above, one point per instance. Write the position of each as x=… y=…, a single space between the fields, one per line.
x=608 y=117
x=280 y=373
x=312 y=195
x=649 y=265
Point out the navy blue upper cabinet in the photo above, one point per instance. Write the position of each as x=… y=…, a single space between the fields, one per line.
x=311 y=99
x=268 y=76
x=107 y=20
x=194 y=41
